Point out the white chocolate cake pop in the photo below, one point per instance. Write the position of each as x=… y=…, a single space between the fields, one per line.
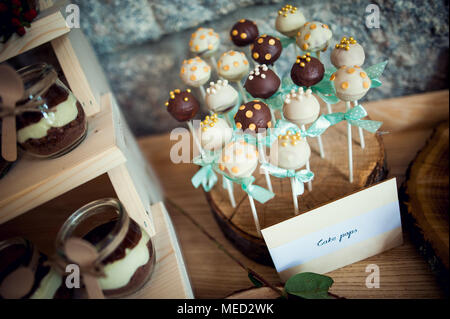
x=314 y=36
x=204 y=42
x=233 y=65
x=214 y=133
x=347 y=52
x=195 y=72
x=290 y=151
x=351 y=83
x=301 y=107
x=239 y=159
x=289 y=20
x=221 y=96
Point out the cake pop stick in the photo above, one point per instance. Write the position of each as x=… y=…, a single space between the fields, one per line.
x=307 y=164
x=360 y=131
x=255 y=215
x=233 y=66
x=294 y=196
x=215 y=133
x=195 y=73
x=349 y=145
x=255 y=117
x=205 y=42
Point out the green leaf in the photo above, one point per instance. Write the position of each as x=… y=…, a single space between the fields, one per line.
x=309 y=285
x=256 y=282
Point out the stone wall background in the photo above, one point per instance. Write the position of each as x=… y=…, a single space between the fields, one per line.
x=141 y=44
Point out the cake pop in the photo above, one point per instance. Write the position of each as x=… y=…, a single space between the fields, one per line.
x=195 y=72
x=351 y=83
x=182 y=105
x=289 y=20
x=266 y=49
x=307 y=71
x=262 y=82
x=347 y=52
x=244 y=32
x=221 y=97
x=301 y=107
x=204 y=42
x=233 y=65
x=254 y=116
x=214 y=133
x=313 y=36
x=290 y=151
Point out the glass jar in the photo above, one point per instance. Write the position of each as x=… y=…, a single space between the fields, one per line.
x=45 y=282
x=126 y=253
x=56 y=127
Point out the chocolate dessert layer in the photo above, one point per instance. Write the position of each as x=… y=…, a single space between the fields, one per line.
x=137 y=280
x=131 y=240
x=58 y=138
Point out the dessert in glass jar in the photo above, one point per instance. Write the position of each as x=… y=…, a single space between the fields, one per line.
x=24 y=273
x=126 y=253
x=55 y=127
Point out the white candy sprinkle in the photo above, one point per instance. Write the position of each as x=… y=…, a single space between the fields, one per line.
x=263 y=76
x=250 y=77
x=225 y=82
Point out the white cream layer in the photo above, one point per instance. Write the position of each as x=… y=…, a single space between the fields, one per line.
x=64 y=113
x=48 y=286
x=119 y=272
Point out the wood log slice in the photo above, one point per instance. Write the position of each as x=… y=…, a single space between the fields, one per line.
x=425 y=201
x=330 y=183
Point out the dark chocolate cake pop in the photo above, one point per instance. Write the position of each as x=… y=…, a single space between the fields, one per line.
x=266 y=49
x=254 y=115
x=307 y=71
x=182 y=105
x=244 y=32
x=262 y=82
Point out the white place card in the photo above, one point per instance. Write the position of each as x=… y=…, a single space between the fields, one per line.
x=337 y=234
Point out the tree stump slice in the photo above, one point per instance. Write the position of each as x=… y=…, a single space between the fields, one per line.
x=330 y=183
x=425 y=196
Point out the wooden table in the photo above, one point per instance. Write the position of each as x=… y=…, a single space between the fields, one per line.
x=403 y=272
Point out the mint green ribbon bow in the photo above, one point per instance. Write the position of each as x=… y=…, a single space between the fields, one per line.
x=300 y=177
x=354 y=116
x=205 y=176
x=259 y=193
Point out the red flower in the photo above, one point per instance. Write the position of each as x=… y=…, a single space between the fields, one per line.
x=20 y=31
x=16 y=11
x=30 y=15
x=3 y=7
x=15 y=22
x=16 y=3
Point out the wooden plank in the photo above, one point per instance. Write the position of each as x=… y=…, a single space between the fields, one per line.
x=32 y=181
x=404 y=273
x=41 y=224
x=49 y=25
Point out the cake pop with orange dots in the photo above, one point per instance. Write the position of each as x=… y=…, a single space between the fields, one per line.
x=351 y=83
x=204 y=42
x=244 y=32
x=239 y=159
x=314 y=37
x=195 y=72
x=347 y=52
x=254 y=116
x=233 y=65
x=266 y=49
